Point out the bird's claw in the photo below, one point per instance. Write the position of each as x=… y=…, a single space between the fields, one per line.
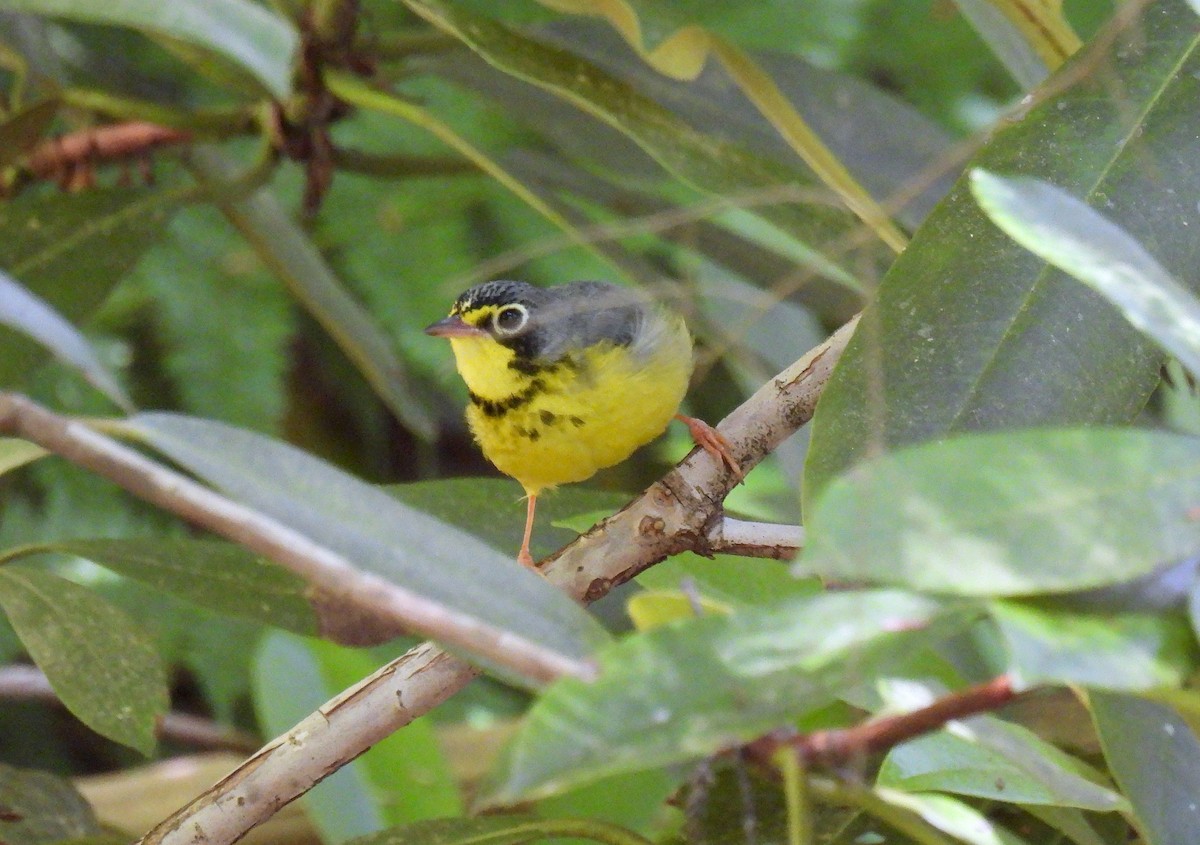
x=712 y=441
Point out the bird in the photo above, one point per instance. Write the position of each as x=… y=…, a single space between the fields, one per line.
x=567 y=380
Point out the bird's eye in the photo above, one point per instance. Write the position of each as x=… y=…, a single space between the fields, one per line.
x=510 y=319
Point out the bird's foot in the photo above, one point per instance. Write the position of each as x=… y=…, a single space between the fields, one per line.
x=713 y=442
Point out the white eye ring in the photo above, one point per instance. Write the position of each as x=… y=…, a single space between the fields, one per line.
x=502 y=320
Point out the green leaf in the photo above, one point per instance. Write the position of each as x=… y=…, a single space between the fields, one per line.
x=1011 y=513
x=972 y=332
x=71 y=250
x=403 y=778
x=40 y=808
x=373 y=530
x=690 y=688
x=102 y=666
x=220 y=576
x=32 y=316
x=291 y=255
x=1155 y=758
x=243 y=32
x=986 y=757
x=1123 y=651
x=1078 y=240
x=20 y=132
x=15 y=453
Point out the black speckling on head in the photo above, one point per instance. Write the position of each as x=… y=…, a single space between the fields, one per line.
x=500 y=292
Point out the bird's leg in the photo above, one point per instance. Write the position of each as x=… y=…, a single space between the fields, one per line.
x=713 y=442
x=524 y=557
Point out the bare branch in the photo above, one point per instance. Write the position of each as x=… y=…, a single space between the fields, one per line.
x=835 y=748
x=58 y=157
x=674 y=514
x=755 y=539
x=317 y=565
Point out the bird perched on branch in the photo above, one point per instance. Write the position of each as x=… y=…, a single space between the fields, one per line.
x=568 y=380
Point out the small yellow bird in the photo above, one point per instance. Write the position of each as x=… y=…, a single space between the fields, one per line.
x=568 y=380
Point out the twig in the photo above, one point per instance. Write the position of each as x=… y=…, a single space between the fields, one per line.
x=635 y=538
x=320 y=567
x=29 y=683
x=59 y=157
x=836 y=748
x=755 y=539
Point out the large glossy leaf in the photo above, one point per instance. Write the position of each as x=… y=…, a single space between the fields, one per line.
x=687 y=689
x=243 y=32
x=38 y=808
x=103 y=667
x=1073 y=237
x=970 y=331
x=71 y=250
x=1155 y=757
x=219 y=576
x=373 y=530
x=30 y=315
x=1011 y=513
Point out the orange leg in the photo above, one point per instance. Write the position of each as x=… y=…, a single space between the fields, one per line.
x=524 y=557
x=713 y=442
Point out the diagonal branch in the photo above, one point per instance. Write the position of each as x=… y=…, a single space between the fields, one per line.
x=674 y=514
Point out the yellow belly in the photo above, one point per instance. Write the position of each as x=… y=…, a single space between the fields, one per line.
x=588 y=418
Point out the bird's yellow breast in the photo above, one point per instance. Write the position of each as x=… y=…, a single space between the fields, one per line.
x=555 y=423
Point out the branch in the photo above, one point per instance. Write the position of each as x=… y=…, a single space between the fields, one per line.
x=29 y=683
x=319 y=566
x=59 y=157
x=755 y=539
x=673 y=515
x=835 y=748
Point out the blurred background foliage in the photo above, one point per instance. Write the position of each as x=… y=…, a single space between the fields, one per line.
x=273 y=267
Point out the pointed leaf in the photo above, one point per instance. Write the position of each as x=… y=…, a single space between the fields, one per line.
x=685 y=690
x=15 y=453
x=220 y=576
x=972 y=332
x=373 y=530
x=103 y=667
x=1072 y=236
x=243 y=32
x=39 y=809
x=952 y=816
x=1011 y=513
x=1155 y=758
x=32 y=316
